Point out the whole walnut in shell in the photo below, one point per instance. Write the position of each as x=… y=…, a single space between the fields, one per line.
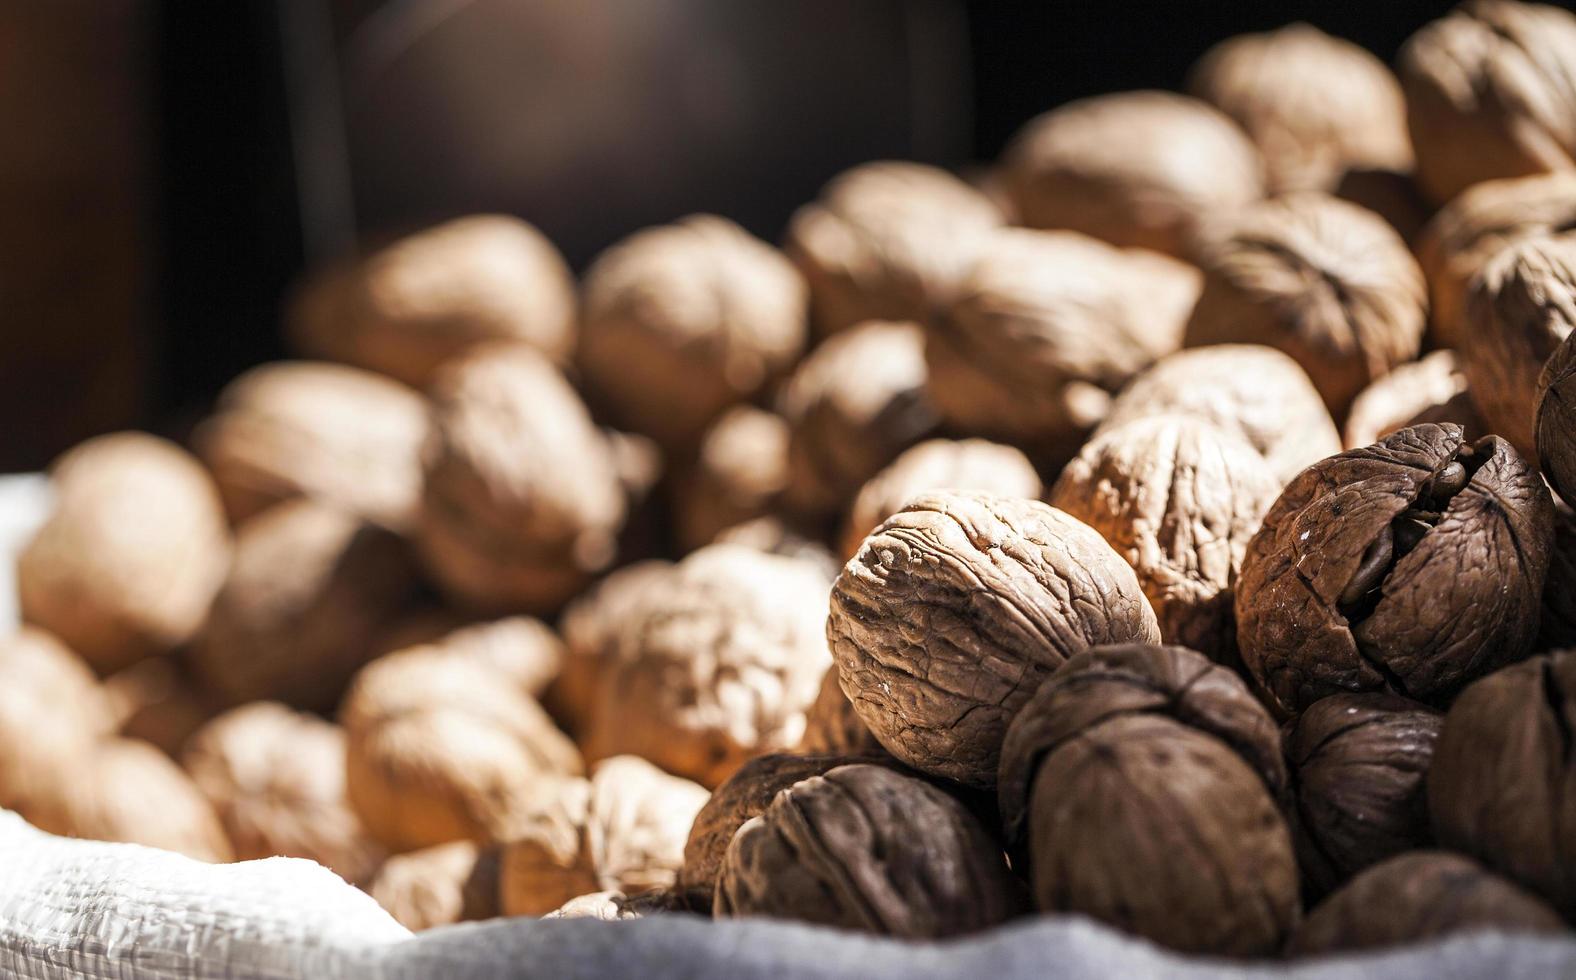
x=955 y=609
x=623 y=831
x=52 y=711
x=337 y=433
x=1488 y=94
x=864 y=847
x=1433 y=389
x=1134 y=168
x=1554 y=420
x=718 y=662
x=1144 y=783
x=136 y=547
x=832 y=726
x=684 y=320
x=440 y=885
x=590 y=627
x=1314 y=105
x=1411 y=566
x=887 y=241
x=740 y=471
x=276 y=778
x=1418 y=896
x=1253 y=391
x=1358 y=764
x=1330 y=284
x=501 y=531
x=405 y=308
x=308 y=593
x=1178 y=499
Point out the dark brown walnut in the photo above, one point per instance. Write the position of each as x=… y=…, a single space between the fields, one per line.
x=127 y=563
x=863 y=847
x=276 y=779
x=1554 y=420
x=439 y=885
x=1488 y=94
x=622 y=831
x=1557 y=630
x=1519 y=311
x=299 y=428
x=1256 y=392
x=887 y=241
x=405 y=308
x=786 y=538
x=1178 y=499
x=1136 y=169
x=1358 y=764
x=1503 y=783
x=1044 y=328
x=684 y=320
x=1313 y=104
x=740 y=471
x=938 y=464
x=832 y=727
x=52 y=712
x=1418 y=896
x=500 y=531
x=159 y=700
x=1411 y=566
x=589 y=626
x=857 y=401
x=1144 y=783
x=1325 y=281
x=1433 y=389
x=718 y=661
x=955 y=609
x=308 y=593
x=1392 y=195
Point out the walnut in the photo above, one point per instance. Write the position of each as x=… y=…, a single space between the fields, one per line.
x=1488 y=94
x=310 y=589
x=887 y=241
x=1410 y=566
x=1433 y=389
x=1256 y=392
x=956 y=608
x=1418 y=896
x=440 y=885
x=1325 y=281
x=623 y=831
x=1179 y=500
x=1357 y=763
x=1554 y=420
x=1144 y=781
x=938 y=464
x=833 y=728
x=336 y=433
x=718 y=662
x=784 y=538
x=614 y=906
x=685 y=320
x=1044 y=328
x=1314 y=105
x=863 y=847
x=500 y=531
x=739 y=472
x=1519 y=310
x=158 y=700
x=405 y=308
x=1135 y=168
x=136 y=547
x=1392 y=195
x=856 y=402
x=52 y=710
x=276 y=778
x=590 y=627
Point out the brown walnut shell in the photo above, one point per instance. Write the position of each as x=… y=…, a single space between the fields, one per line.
x=956 y=608
x=590 y=626
x=1433 y=389
x=833 y=727
x=1411 y=566
x=52 y=711
x=739 y=472
x=1554 y=419
x=863 y=847
x=439 y=885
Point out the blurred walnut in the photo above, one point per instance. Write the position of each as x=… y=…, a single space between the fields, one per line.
x=135 y=549
x=778 y=536
x=1134 y=168
x=623 y=831
x=717 y=661
x=956 y=608
x=407 y=307
x=1415 y=897
x=310 y=589
x=614 y=906
x=159 y=701
x=590 y=624
x=1411 y=566
x=1433 y=389
x=1179 y=500
x=1145 y=781
x=738 y=474
x=1392 y=195
x=863 y=847
x=684 y=320
x=1554 y=419
x=1488 y=94
x=52 y=711
x=439 y=885
x=887 y=241
x=1325 y=281
x=1314 y=105
x=501 y=531
x=857 y=401
x=832 y=727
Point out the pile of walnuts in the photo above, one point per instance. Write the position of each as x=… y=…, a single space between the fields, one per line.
x=1172 y=529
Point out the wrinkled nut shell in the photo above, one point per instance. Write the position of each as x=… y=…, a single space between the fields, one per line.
x=740 y=470
x=957 y=607
x=1432 y=389
x=439 y=885
x=1554 y=421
